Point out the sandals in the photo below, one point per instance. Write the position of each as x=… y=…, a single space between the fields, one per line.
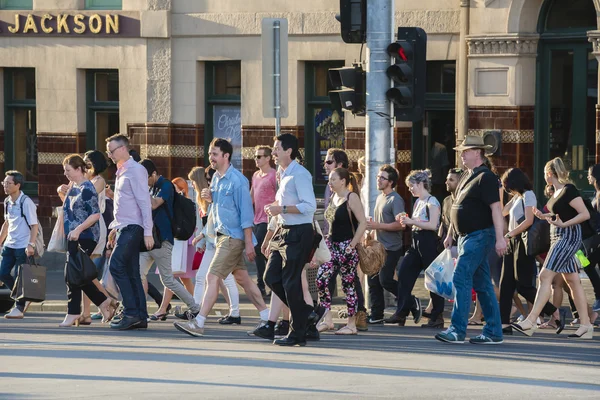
x=323 y=326
x=158 y=317
x=475 y=323
x=346 y=330
x=84 y=320
x=525 y=327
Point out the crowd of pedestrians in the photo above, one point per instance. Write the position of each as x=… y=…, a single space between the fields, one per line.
x=270 y=221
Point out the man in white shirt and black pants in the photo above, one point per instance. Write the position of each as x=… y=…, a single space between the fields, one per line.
x=295 y=204
x=18 y=234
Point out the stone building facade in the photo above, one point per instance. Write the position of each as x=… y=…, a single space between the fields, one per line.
x=176 y=73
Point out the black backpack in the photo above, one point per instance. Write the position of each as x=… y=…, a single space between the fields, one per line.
x=183 y=220
x=591 y=227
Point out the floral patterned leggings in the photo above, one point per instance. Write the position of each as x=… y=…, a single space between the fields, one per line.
x=346 y=264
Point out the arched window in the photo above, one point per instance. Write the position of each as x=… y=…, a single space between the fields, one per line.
x=568 y=15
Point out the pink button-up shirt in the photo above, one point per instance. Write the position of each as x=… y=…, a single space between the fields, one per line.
x=132 y=199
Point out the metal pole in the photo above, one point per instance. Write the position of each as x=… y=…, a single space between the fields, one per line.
x=379 y=122
x=379 y=131
x=462 y=92
x=277 y=75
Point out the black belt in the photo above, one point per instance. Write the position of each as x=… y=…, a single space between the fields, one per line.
x=294 y=226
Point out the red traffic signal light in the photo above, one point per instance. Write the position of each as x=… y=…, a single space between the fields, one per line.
x=401 y=51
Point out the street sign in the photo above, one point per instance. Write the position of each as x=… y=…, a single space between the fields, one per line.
x=274 y=41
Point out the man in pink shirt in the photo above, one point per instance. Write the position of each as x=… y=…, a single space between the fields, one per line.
x=131 y=229
x=264 y=188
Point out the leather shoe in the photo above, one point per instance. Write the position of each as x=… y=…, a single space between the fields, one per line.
x=229 y=320
x=265 y=331
x=127 y=323
x=312 y=333
x=395 y=319
x=313 y=318
x=289 y=341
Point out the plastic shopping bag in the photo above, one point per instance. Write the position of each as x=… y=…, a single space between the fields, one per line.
x=109 y=282
x=438 y=276
x=179 y=257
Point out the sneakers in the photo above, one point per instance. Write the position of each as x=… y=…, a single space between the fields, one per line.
x=375 y=320
x=265 y=330
x=190 y=327
x=187 y=315
x=361 y=321
x=449 y=336
x=596 y=306
x=417 y=311
x=15 y=313
x=482 y=339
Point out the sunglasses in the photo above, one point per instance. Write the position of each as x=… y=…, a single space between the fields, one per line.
x=329 y=162
x=258 y=156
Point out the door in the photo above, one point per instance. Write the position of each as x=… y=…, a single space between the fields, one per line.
x=567 y=126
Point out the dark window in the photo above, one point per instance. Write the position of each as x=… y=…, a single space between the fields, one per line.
x=106 y=86
x=102 y=107
x=571 y=14
x=441 y=76
x=228 y=78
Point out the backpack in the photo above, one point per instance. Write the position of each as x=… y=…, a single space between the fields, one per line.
x=183 y=220
x=39 y=239
x=591 y=227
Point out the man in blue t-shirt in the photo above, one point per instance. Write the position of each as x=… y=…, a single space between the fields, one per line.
x=161 y=196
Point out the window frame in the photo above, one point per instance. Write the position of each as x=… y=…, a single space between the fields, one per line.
x=92 y=106
x=103 y=4
x=16 y=5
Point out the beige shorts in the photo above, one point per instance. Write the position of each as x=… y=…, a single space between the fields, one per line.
x=229 y=256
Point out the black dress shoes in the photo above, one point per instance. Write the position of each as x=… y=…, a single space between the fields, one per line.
x=290 y=342
x=313 y=319
x=312 y=333
x=507 y=331
x=229 y=320
x=395 y=319
x=265 y=331
x=127 y=323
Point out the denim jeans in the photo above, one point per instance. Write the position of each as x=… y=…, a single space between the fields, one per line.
x=473 y=271
x=10 y=259
x=124 y=266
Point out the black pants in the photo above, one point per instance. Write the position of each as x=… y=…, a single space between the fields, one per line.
x=260 y=231
x=518 y=273
x=592 y=273
x=74 y=293
x=384 y=280
x=291 y=247
x=418 y=257
x=360 y=294
x=155 y=294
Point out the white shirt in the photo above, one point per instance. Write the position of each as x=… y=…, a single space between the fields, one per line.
x=18 y=230
x=296 y=189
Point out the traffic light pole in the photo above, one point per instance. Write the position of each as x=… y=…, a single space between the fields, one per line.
x=277 y=75
x=379 y=122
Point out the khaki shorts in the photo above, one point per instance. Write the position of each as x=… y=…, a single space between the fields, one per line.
x=228 y=256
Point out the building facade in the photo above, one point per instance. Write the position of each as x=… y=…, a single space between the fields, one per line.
x=173 y=74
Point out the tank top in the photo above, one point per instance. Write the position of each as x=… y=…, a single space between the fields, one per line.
x=339 y=222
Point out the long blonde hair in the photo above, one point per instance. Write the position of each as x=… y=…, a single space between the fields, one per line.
x=197 y=176
x=557 y=167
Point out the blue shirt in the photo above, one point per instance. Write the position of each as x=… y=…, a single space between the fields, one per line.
x=80 y=203
x=231 y=204
x=296 y=189
x=163 y=189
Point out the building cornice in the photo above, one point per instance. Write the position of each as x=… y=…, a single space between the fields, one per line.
x=503 y=45
x=594 y=38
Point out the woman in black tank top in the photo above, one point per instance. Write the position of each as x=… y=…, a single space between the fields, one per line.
x=347 y=223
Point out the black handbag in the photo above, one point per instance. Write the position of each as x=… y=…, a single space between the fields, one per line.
x=31 y=282
x=157 y=241
x=536 y=238
x=79 y=268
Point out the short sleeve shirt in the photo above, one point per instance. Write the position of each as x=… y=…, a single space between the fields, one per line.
x=476 y=192
x=18 y=231
x=386 y=209
x=422 y=211
x=163 y=189
x=264 y=188
x=82 y=202
x=517 y=210
x=559 y=203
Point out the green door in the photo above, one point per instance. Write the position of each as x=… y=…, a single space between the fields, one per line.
x=567 y=101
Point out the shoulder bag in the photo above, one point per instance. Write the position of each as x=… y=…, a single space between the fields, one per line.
x=536 y=238
x=371 y=253
x=31 y=282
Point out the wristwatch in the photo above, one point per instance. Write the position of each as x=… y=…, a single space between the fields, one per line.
x=508 y=236
x=284 y=210
x=31 y=244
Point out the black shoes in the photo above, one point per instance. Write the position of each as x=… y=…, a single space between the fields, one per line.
x=435 y=323
x=187 y=315
x=312 y=333
x=289 y=342
x=128 y=323
x=229 y=320
x=507 y=331
x=395 y=319
x=417 y=311
x=265 y=331
x=375 y=320
x=282 y=328
x=560 y=323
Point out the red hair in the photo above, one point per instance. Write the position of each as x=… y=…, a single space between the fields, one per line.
x=181 y=185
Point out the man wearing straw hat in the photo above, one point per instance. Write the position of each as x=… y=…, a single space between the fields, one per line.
x=477 y=220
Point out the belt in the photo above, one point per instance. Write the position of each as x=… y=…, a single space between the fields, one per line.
x=295 y=226
x=220 y=234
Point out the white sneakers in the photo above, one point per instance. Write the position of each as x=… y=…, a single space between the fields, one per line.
x=15 y=313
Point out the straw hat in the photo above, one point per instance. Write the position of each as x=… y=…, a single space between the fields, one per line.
x=473 y=142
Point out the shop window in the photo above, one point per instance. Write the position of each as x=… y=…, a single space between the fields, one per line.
x=571 y=14
x=324 y=127
x=20 y=125
x=441 y=76
x=102 y=107
x=16 y=4
x=223 y=106
x=103 y=4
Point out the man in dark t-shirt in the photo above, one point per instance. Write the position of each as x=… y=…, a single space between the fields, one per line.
x=476 y=217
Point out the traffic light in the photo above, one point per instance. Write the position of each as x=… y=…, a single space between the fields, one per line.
x=349 y=93
x=407 y=73
x=353 y=18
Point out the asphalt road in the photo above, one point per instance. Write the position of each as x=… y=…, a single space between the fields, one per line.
x=38 y=360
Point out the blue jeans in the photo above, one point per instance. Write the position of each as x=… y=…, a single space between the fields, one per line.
x=10 y=259
x=124 y=266
x=473 y=271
